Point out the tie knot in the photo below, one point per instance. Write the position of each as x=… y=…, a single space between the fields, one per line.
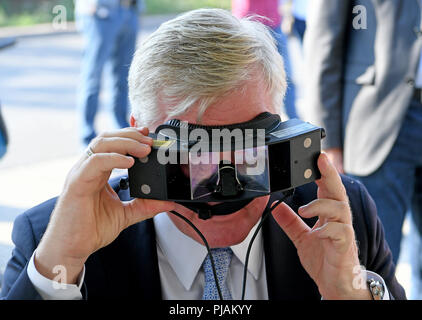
x=222 y=258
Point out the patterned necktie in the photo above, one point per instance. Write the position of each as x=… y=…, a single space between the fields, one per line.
x=222 y=258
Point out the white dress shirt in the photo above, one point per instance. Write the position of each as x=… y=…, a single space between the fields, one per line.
x=52 y=290
x=180 y=261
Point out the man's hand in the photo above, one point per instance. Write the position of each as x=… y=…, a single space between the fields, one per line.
x=328 y=250
x=89 y=215
x=335 y=155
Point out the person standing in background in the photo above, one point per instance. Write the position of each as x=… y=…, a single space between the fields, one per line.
x=293 y=25
x=294 y=18
x=364 y=86
x=270 y=9
x=110 y=29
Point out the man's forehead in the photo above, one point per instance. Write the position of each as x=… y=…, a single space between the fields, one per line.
x=238 y=106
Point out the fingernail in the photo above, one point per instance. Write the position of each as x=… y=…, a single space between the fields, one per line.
x=145 y=146
x=317 y=229
x=324 y=160
x=272 y=204
x=302 y=209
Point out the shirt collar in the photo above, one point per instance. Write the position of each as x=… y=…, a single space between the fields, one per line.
x=186 y=256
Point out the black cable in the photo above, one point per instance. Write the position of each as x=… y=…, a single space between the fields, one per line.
x=208 y=249
x=245 y=269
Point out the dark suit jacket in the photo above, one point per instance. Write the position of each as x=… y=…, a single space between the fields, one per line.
x=128 y=267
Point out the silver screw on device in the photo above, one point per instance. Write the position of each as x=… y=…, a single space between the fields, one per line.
x=307 y=143
x=146 y=189
x=308 y=173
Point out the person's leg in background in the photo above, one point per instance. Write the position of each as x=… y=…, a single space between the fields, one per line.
x=99 y=34
x=121 y=58
x=392 y=185
x=415 y=239
x=299 y=28
x=290 y=98
x=295 y=46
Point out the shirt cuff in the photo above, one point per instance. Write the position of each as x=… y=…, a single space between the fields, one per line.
x=54 y=290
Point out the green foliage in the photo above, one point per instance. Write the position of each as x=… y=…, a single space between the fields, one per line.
x=2 y=16
x=176 y=6
x=27 y=12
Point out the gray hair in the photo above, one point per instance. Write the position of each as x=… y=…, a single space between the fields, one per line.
x=198 y=57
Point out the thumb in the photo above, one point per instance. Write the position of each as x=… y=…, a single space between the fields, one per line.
x=290 y=222
x=138 y=210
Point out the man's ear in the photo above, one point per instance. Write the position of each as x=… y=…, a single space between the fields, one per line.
x=132 y=121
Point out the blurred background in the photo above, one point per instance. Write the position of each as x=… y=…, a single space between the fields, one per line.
x=40 y=62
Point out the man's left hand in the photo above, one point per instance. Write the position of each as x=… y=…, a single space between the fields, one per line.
x=328 y=250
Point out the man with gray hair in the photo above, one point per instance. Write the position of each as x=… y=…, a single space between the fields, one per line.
x=204 y=67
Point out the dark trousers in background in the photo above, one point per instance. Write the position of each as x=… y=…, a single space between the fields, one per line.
x=108 y=39
x=299 y=28
x=415 y=239
x=396 y=188
x=290 y=97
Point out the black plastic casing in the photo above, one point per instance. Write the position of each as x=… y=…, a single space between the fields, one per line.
x=293 y=150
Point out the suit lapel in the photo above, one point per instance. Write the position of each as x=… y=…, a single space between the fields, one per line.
x=286 y=278
x=144 y=268
x=128 y=267
x=130 y=263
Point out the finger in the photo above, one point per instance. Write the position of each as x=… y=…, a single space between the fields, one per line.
x=335 y=155
x=330 y=184
x=290 y=222
x=341 y=235
x=138 y=134
x=140 y=209
x=122 y=146
x=100 y=163
x=143 y=130
x=330 y=210
x=339 y=167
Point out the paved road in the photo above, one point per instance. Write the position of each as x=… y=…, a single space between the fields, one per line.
x=38 y=81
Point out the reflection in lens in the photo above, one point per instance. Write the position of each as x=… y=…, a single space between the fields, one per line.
x=251 y=171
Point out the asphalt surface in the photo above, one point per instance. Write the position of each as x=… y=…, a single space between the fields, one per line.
x=38 y=81
x=6 y=42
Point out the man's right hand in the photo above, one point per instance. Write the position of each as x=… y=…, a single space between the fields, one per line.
x=89 y=214
x=335 y=155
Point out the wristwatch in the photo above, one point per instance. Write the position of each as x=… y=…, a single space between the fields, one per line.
x=376 y=288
